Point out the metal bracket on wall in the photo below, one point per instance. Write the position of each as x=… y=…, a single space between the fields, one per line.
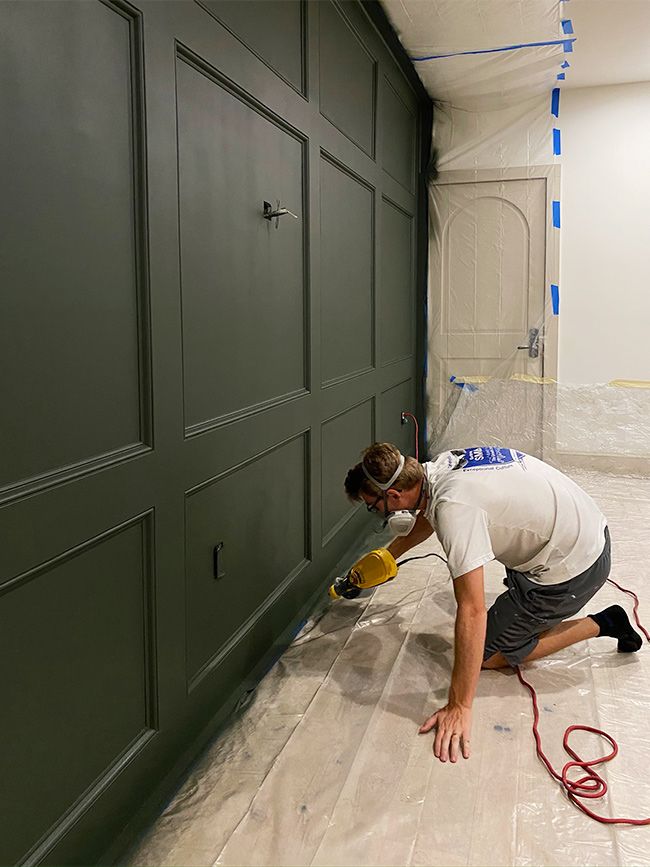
x=270 y=214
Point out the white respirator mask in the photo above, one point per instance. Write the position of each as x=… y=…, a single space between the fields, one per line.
x=401 y=522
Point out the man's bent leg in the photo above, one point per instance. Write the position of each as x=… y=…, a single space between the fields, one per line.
x=563 y=635
x=529 y=621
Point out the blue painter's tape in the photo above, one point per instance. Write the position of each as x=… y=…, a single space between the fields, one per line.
x=557 y=144
x=556 y=214
x=561 y=76
x=565 y=65
x=555 y=299
x=567 y=26
x=555 y=102
x=459 y=384
x=563 y=42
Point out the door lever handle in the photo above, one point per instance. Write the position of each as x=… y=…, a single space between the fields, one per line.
x=270 y=213
x=533 y=343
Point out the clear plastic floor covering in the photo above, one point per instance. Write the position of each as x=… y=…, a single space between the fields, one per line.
x=325 y=766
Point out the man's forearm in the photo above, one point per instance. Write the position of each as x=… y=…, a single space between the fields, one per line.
x=419 y=533
x=469 y=641
x=402 y=544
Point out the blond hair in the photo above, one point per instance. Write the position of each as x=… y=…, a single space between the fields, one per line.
x=381 y=460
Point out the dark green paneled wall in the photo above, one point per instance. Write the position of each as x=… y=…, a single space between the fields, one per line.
x=347 y=272
x=179 y=375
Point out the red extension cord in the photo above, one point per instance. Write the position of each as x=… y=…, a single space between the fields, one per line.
x=415 y=422
x=591 y=785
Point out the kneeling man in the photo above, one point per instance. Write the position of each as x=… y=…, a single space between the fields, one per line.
x=490 y=503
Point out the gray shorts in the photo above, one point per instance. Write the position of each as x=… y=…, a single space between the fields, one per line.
x=526 y=609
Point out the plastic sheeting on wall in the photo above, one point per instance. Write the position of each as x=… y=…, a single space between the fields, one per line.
x=493 y=374
x=495 y=68
x=603 y=426
x=490 y=65
x=494 y=249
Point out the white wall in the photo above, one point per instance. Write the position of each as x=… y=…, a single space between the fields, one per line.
x=605 y=265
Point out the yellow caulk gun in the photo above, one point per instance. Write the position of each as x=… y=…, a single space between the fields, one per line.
x=374 y=568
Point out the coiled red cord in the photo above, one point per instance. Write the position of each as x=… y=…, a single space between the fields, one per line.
x=591 y=785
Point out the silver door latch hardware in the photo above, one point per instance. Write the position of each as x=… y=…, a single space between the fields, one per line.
x=270 y=213
x=533 y=343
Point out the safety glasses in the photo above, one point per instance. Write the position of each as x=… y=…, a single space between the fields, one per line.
x=372 y=507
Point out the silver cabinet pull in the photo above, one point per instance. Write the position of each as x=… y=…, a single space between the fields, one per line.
x=270 y=213
x=533 y=343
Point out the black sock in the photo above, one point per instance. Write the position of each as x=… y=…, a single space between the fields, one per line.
x=613 y=621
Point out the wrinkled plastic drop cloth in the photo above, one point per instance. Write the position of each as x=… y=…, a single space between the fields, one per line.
x=325 y=765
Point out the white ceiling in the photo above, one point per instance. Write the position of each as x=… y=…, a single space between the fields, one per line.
x=612 y=36
x=613 y=44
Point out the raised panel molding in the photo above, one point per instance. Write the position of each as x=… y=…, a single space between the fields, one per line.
x=397 y=283
x=399 y=138
x=394 y=401
x=233 y=300
x=245 y=510
x=241 y=414
x=345 y=60
x=10 y=493
x=347 y=273
x=76 y=812
x=343 y=438
x=94 y=699
x=74 y=314
x=248 y=22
